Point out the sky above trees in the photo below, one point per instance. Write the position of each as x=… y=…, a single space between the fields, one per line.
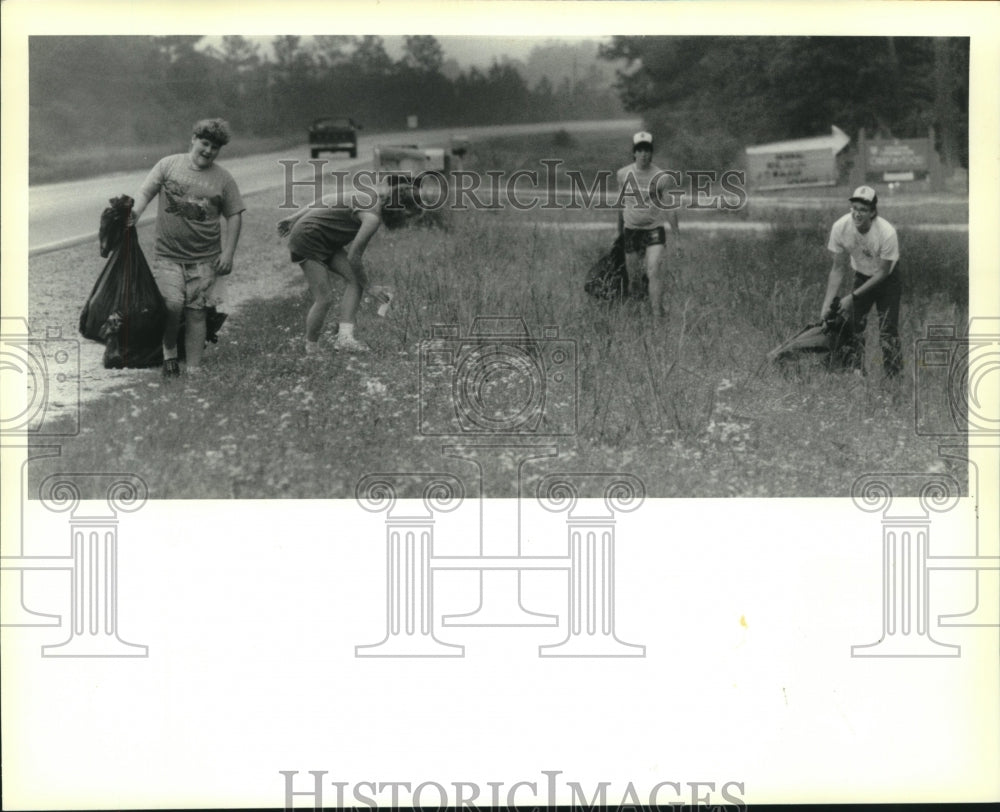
x=706 y=96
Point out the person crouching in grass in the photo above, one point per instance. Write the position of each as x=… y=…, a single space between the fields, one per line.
x=867 y=244
x=330 y=240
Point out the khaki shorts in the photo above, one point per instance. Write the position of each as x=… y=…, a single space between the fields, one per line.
x=187 y=284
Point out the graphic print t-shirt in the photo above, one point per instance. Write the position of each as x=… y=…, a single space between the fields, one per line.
x=866 y=250
x=190 y=204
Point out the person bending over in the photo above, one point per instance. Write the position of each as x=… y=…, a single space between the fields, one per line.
x=330 y=240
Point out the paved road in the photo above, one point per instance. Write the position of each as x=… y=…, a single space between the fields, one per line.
x=64 y=214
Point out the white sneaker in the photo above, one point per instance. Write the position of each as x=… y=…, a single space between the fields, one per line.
x=343 y=344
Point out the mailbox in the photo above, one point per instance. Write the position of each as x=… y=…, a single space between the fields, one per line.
x=410 y=159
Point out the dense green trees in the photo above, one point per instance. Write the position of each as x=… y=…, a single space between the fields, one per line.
x=710 y=96
x=137 y=90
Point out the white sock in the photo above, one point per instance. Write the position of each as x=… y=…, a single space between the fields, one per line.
x=169 y=354
x=346 y=330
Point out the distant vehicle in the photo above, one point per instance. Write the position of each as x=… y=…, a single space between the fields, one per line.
x=410 y=159
x=334 y=134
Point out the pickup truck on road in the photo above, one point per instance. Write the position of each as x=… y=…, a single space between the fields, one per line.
x=333 y=134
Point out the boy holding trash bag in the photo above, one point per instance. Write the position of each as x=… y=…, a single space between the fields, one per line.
x=192 y=252
x=866 y=244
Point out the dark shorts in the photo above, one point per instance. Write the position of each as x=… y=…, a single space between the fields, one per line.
x=636 y=239
x=312 y=243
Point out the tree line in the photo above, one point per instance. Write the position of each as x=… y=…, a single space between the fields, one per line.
x=144 y=89
x=708 y=97
x=705 y=97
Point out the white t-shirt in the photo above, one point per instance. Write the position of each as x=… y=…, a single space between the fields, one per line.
x=867 y=250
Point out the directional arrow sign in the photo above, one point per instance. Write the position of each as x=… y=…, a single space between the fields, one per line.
x=798 y=162
x=838 y=139
x=835 y=142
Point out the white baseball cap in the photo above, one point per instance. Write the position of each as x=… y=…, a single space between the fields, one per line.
x=642 y=137
x=864 y=194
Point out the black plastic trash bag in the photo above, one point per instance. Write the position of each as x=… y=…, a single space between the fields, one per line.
x=213 y=323
x=125 y=310
x=829 y=340
x=607 y=278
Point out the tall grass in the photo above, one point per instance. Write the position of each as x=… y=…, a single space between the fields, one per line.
x=685 y=402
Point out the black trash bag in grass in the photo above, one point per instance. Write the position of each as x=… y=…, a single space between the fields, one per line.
x=828 y=340
x=125 y=310
x=607 y=278
x=213 y=323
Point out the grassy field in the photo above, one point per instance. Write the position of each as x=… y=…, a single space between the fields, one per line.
x=686 y=403
x=591 y=153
